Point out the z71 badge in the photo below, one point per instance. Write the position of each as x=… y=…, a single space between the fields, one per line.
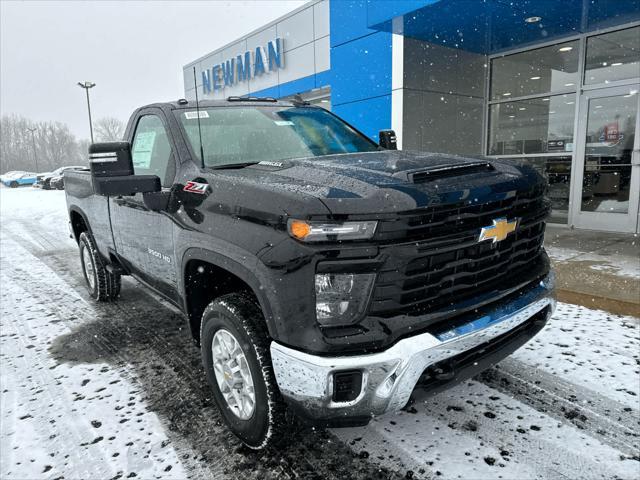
x=195 y=187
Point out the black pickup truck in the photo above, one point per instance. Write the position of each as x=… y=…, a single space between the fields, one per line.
x=319 y=272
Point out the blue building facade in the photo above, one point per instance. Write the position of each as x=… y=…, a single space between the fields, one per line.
x=551 y=83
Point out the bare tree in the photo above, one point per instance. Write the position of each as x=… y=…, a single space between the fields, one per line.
x=55 y=145
x=109 y=129
x=83 y=151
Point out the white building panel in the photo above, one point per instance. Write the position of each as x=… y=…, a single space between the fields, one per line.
x=298 y=63
x=296 y=30
x=321 y=19
x=322 y=54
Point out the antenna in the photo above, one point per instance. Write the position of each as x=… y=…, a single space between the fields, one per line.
x=195 y=84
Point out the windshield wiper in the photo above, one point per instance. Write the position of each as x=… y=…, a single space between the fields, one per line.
x=232 y=165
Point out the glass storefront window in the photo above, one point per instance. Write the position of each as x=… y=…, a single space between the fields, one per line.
x=539 y=71
x=540 y=125
x=613 y=56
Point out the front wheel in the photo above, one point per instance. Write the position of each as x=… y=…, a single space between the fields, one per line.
x=237 y=362
x=102 y=284
x=13 y=184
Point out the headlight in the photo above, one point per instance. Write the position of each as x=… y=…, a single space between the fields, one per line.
x=324 y=231
x=341 y=298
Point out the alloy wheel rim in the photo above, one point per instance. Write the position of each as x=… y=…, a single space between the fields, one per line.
x=89 y=271
x=233 y=374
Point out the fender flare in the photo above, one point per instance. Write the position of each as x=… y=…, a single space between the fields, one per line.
x=233 y=267
x=78 y=210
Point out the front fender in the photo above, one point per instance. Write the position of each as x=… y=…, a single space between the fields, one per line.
x=243 y=265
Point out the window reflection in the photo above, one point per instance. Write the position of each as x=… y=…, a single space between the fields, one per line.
x=608 y=150
x=541 y=125
x=613 y=56
x=543 y=70
x=557 y=171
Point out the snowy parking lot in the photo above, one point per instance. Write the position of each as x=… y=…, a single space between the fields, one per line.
x=96 y=391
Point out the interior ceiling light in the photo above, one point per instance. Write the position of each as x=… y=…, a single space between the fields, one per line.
x=533 y=19
x=535 y=78
x=565 y=49
x=506 y=94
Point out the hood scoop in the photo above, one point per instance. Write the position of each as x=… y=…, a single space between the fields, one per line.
x=444 y=171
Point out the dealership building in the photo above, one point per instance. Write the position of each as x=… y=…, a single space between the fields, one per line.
x=550 y=83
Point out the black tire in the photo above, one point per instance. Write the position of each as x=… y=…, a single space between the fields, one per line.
x=60 y=185
x=46 y=185
x=240 y=315
x=13 y=184
x=102 y=285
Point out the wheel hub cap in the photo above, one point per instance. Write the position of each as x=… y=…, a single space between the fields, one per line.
x=87 y=262
x=233 y=374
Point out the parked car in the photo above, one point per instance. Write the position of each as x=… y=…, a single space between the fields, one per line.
x=10 y=174
x=39 y=178
x=57 y=173
x=20 y=178
x=57 y=182
x=318 y=271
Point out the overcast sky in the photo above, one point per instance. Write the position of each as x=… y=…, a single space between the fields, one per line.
x=133 y=51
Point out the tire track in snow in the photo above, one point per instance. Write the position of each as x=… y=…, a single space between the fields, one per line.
x=194 y=417
x=473 y=431
x=607 y=420
x=46 y=285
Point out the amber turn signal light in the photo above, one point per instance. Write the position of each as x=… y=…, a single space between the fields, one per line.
x=299 y=229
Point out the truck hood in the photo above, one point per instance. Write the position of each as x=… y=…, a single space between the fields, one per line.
x=392 y=181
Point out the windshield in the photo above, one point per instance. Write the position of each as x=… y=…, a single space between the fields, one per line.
x=238 y=135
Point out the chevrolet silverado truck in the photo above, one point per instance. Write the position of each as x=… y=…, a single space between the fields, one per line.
x=319 y=272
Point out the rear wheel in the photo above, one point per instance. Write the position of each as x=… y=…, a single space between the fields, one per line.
x=102 y=284
x=13 y=184
x=237 y=361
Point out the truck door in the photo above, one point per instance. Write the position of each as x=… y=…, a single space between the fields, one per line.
x=144 y=238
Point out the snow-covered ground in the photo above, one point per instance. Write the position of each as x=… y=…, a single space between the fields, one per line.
x=116 y=390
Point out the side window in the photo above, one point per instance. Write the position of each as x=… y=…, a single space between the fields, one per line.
x=151 y=150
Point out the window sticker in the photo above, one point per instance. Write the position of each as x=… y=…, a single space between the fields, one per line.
x=282 y=123
x=142 y=148
x=194 y=114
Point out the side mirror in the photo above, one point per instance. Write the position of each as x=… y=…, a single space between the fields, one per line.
x=388 y=139
x=112 y=171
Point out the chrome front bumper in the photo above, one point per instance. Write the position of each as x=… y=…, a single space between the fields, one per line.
x=389 y=377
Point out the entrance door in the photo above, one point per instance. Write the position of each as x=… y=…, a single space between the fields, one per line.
x=606 y=190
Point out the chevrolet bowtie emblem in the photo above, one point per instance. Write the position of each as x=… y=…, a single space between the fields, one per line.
x=499 y=230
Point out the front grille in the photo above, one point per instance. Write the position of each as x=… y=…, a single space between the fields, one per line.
x=440 y=263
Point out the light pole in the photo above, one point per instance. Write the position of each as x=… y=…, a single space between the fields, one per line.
x=87 y=86
x=33 y=143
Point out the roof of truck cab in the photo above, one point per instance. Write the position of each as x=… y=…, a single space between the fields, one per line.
x=179 y=104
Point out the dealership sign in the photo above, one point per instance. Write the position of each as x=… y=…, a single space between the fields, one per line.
x=251 y=64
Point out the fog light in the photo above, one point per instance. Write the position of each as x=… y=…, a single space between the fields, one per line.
x=341 y=298
x=347 y=385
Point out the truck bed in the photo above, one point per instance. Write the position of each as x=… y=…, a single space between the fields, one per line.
x=93 y=209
